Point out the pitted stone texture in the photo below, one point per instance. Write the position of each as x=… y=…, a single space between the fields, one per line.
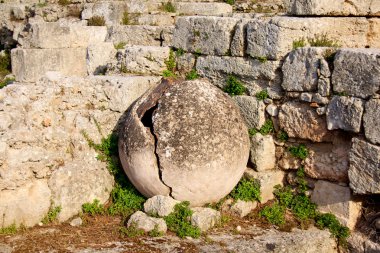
x=203 y=9
x=141 y=35
x=336 y=199
x=239 y=41
x=146 y=60
x=205 y=218
x=364 y=173
x=345 y=113
x=371 y=121
x=112 y=12
x=302 y=68
x=357 y=72
x=63 y=35
x=75 y=184
x=26 y=205
x=29 y=65
x=142 y=221
x=160 y=205
x=250 y=70
x=186 y=62
x=262 y=152
x=189 y=149
x=336 y=8
x=273 y=38
x=268 y=180
x=299 y=120
x=204 y=35
x=98 y=56
x=252 y=109
x=329 y=161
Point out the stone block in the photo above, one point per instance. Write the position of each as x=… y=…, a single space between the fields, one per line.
x=273 y=38
x=239 y=41
x=98 y=56
x=338 y=200
x=364 y=173
x=262 y=152
x=302 y=69
x=268 y=180
x=335 y=8
x=204 y=35
x=242 y=208
x=249 y=70
x=142 y=221
x=371 y=121
x=203 y=9
x=28 y=65
x=160 y=205
x=62 y=35
x=27 y=205
x=205 y=218
x=252 y=110
x=345 y=113
x=112 y=12
x=357 y=72
x=142 y=35
x=299 y=120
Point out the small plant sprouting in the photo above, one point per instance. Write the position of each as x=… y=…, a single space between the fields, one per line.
x=299 y=151
x=247 y=190
x=5 y=82
x=192 y=75
x=155 y=232
x=120 y=45
x=131 y=231
x=262 y=95
x=179 y=52
x=179 y=221
x=167 y=73
x=93 y=208
x=10 y=230
x=321 y=40
x=274 y=214
x=299 y=43
x=282 y=136
x=341 y=94
x=329 y=221
x=125 y=20
x=266 y=129
x=96 y=21
x=64 y=2
x=234 y=86
x=168 y=7
x=231 y=2
x=170 y=65
x=252 y=132
x=262 y=59
x=51 y=215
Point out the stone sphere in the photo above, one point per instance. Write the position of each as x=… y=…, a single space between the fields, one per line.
x=186 y=139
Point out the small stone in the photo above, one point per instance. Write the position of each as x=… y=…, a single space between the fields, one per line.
x=46 y=122
x=238 y=228
x=324 y=86
x=307 y=97
x=40 y=224
x=205 y=218
x=146 y=223
x=263 y=152
x=314 y=105
x=268 y=101
x=160 y=205
x=321 y=110
x=317 y=98
x=76 y=222
x=242 y=208
x=272 y=110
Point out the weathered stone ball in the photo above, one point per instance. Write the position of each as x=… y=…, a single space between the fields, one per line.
x=186 y=139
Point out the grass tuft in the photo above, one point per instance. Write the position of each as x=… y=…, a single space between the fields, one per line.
x=93 y=208
x=299 y=151
x=192 y=75
x=96 y=21
x=247 y=190
x=51 y=215
x=234 y=86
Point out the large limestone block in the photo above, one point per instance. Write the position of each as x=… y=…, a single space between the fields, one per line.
x=204 y=35
x=262 y=152
x=268 y=180
x=142 y=35
x=357 y=72
x=364 y=173
x=203 y=9
x=335 y=8
x=191 y=150
x=252 y=110
x=75 y=184
x=29 y=65
x=371 y=121
x=27 y=205
x=299 y=120
x=112 y=12
x=338 y=200
x=345 y=113
x=98 y=56
x=302 y=69
x=63 y=35
x=253 y=71
x=273 y=38
x=148 y=60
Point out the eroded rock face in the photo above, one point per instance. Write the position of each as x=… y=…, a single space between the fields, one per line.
x=186 y=139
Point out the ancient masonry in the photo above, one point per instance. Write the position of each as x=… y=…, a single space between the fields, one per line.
x=74 y=75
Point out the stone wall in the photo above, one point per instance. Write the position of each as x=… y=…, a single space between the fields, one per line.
x=325 y=94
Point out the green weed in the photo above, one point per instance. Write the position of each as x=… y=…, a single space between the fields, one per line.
x=180 y=52
x=262 y=95
x=262 y=59
x=120 y=45
x=192 y=75
x=252 y=132
x=168 y=73
x=64 y=2
x=299 y=43
x=275 y=214
x=10 y=230
x=231 y=2
x=170 y=62
x=125 y=20
x=96 y=21
x=247 y=190
x=234 y=86
x=51 y=215
x=299 y=151
x=329 y=221
x=282 y=136
x=267 y=128
x=321 y=40
x=5 y=82
x=131 y=231
x=93 y=208
x=155 y=232
x=168 y=7
x=179 y=221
